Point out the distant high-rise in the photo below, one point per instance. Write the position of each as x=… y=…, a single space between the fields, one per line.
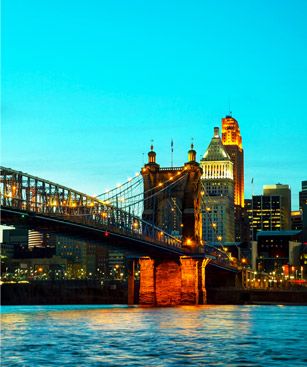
x=40 y=239
x=285 y=201
x=232 y=141
x=303 y=207
x=303 y=195
x=264 y=214
x=217 y=180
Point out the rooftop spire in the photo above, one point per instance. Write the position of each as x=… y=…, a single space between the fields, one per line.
x=216 y=150
x=152 y=154
x=192 y=153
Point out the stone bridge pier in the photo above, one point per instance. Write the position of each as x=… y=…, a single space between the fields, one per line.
x=170 y=282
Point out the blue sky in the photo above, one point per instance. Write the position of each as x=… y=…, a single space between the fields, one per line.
x=87 y=84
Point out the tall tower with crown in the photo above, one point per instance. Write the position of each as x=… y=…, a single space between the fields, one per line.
x=232 y=141
x=218 y=185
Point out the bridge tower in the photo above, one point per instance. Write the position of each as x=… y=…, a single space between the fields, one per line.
x=172 y=200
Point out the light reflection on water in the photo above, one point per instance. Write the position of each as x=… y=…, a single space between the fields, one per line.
x=135 y=336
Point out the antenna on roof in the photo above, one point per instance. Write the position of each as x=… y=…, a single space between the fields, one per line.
x=229 y=112
x=172 y=152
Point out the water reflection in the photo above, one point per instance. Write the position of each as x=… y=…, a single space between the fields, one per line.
x=117 y=336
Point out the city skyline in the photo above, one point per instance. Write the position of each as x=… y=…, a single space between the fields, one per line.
x=86 y=88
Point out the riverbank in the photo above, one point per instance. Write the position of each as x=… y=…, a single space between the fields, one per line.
x=112 y=292
x=223 y=296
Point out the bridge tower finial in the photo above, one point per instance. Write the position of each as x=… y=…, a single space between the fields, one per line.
x=152 y=154
x=192 y=153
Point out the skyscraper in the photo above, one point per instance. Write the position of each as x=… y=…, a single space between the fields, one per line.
x=285 y=202
x=303 y=195
x=265 y=214
x=218 y=186
x=303 y=207
x=232 y=141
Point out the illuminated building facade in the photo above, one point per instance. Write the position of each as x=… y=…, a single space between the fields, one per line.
x=297 y=220
x=264 y=214
x=276 y=250
x=218 y=186
x=232 y=141
x=285 y=201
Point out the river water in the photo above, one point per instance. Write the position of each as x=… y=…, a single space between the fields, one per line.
x=135 y=336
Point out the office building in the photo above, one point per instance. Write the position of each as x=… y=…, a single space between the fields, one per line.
x=275 y=251
x=264 y=214
x=232 y=141
x=303 y=195
x=218 y=193
x=297 y=220
x=285 y=201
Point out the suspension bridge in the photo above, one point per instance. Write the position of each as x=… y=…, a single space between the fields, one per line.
x=157 y=213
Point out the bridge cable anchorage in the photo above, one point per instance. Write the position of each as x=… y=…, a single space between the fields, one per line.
x=207 y=208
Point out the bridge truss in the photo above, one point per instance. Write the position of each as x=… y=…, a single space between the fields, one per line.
x=118 y=210
x=29 y=194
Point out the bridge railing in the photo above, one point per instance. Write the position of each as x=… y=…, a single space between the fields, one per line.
x=35 y=195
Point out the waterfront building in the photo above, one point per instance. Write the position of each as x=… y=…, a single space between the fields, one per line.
x=13 y=241
x=39 y=268
x=116 y=264
x=275 y=251
x=303 y=208
x=218 y=193
x=15 y=236
x=284 y=192
x=40 y=239
x=75 y=252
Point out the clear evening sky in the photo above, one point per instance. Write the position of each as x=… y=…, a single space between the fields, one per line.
x=87 y=84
